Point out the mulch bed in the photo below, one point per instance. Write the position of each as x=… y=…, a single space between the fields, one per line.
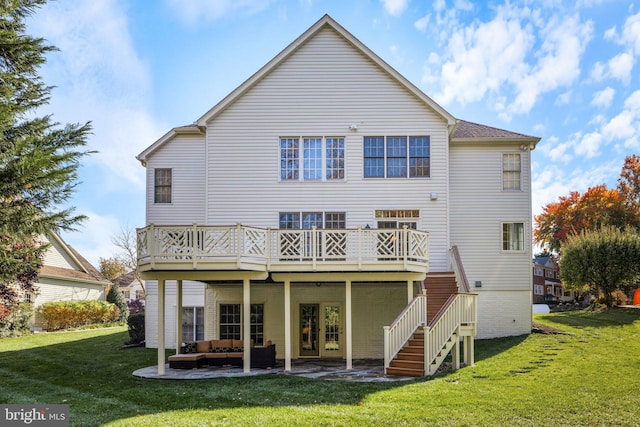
x=539 y=328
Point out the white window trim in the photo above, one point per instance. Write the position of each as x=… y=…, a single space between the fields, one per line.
x=524 y=237
x=323 y=177
x=503 y=171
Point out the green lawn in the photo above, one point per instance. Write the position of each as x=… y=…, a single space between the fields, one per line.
x=590 y=377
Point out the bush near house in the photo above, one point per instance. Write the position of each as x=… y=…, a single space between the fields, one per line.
x=136 y=328
x=116 y=297
x=15 y=321
x=72 y=314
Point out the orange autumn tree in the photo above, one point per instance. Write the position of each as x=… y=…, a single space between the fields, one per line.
x=573 y=214
x=629 y=181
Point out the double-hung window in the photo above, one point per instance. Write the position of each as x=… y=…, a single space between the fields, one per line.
x=162 y=185
x=511 y=171
x=396 y=156
x=231 y=322
x=513 y=236
x=312 y=159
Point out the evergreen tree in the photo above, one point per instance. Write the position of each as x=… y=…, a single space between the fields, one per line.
x=39 y=159
x=116 y=297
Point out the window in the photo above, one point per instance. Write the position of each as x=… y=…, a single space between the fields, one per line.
x=397 y=218
x=162 y=193
x=537 y=271
x=139 y=294
x=192 y=324
x=511 y=171
x=396 y=156
x=322 y=159
x=513 y=236
x=538 y=290
x=308 y=220
x=550 y=274
x=231 y=325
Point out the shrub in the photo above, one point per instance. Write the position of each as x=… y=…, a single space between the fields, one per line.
x=116 y=297
x=136 y=328
x=16 y=320
x=72 y=314
x=136 y=306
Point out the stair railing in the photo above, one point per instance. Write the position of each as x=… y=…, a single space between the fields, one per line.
x=458 y=269
x=398 y=333
x=459 y=309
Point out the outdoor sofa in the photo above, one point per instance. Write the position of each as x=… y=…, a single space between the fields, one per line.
x=222 y=353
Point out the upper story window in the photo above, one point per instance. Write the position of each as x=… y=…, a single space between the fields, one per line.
x=311 y=159
x=511 y=171
x=162 y=185
x=537 y=271
x=513 y=236
x=308 y=220
x=396 y=157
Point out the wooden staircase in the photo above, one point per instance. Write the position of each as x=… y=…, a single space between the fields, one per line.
x=410 y=360
x=439 y=286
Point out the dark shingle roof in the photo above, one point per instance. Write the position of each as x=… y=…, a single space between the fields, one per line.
x=469 y=130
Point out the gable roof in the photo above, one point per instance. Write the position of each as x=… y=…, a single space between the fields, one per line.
x=85 y=272
x=325 y=21
x=191 y=129
x=469 y=131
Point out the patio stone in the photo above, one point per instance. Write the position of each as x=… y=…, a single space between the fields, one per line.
x=322 y=369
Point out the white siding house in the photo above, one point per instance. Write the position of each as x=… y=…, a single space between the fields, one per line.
x=330 y=139
x=66 y=275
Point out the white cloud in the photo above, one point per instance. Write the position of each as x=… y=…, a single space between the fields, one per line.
x=564 y=98
x=393 y=7
x=631 y=32
x=589 y=145
x=554 y=150
x=463 y=5
x=421 y=24
x=598 y=71
x=558 y=62
x=194 y=11
x=482 y=57
x=633 y=102
x=93 y=238
x=100 y=78
x=604 y=97
x=620 y=127
x=516 y=57
x=620 y=67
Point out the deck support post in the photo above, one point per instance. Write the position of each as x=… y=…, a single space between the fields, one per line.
x=455 y=352
x=178 y=316
x=409 y=291
x=161 y=327
x=348 y=325
x=468 y=351
x=287 y=325
x=246 y=324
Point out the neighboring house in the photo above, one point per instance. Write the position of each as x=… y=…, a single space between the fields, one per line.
x=66 y=276
x=131 y=287
x=319 y=194
x=547 y=285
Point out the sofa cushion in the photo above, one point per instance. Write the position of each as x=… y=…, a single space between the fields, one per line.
x=222 y=343
x=203 y=346
x=219 y=349
x=190 y=347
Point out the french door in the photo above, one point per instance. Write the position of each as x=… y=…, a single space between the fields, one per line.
x=320 y=330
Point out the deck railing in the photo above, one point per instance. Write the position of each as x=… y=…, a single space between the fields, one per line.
x=265 y=248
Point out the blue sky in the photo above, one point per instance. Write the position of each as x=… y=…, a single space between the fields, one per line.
x=567 y=72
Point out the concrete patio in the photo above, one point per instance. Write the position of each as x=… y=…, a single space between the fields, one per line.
x=323 y=369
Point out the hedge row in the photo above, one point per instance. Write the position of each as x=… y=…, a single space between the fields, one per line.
x=72 y=314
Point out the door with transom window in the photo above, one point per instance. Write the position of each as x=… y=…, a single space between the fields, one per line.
x=321 y=330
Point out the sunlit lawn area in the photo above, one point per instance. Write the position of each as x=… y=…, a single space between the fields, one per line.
x=588 y=377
